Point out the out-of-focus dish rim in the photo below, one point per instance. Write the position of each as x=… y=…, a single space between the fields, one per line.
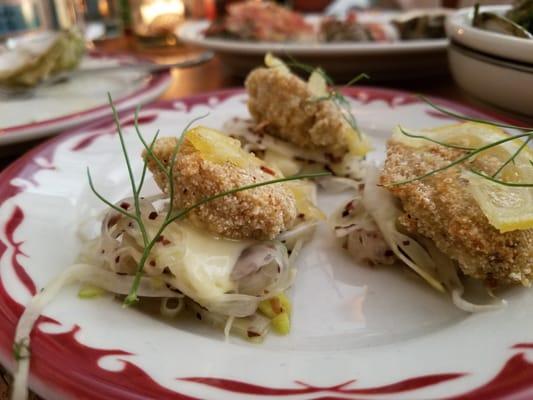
x=155 y=85
x=491 y=59
x=191 y=33
x=459 y=30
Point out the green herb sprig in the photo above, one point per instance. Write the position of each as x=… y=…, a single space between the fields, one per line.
x=470 y=152
x=171 y=215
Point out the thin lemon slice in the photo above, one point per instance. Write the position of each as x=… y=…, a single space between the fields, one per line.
x=219 y=148
x=273 y=62
x=507 y=208
x=467 y=134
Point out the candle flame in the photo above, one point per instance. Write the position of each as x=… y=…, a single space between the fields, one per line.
x=156 y=8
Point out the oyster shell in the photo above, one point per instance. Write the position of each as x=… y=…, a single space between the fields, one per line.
x=421 y=24
x=33 y=59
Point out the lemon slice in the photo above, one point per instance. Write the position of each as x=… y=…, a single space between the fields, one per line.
x=220 y=148
x=273 y=62
x=507 y=208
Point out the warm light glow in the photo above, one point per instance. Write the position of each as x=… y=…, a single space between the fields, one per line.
x=28 y=11
x=103 y=8
x=153 y=9
x=66 y=13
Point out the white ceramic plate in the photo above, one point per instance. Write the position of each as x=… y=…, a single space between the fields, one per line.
x=402 y=59
x=511 y=82
x=358 y=332
x=508 y=48
x=77 y=101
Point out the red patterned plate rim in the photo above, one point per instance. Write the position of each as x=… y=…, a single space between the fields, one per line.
x=514 y=381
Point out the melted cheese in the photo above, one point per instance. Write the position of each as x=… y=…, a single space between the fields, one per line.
x=304 y=193
x=288 y=166
x=201 y=262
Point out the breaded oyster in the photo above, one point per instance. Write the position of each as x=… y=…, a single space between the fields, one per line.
x=209 y=163
x=443 y=209
x=288 y=108
x=300 y=125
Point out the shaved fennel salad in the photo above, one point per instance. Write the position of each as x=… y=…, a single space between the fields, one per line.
x=367 y=229
x=145 y=249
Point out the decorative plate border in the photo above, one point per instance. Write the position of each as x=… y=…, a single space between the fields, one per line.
x=514 y=381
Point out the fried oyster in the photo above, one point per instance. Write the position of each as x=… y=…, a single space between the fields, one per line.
x=209 y=163
x=284 y=104
x=300 y=125
x=443 y=209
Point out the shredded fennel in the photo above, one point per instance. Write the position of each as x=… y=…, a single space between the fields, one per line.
x=171 y=312
x=227 y=327
x=421 y=255
x=382 y=207
x=447 y=270
x=84 y=273
x=109 y=264
x=351 y=166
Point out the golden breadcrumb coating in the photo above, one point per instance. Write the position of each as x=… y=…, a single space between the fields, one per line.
x=282 y=103
x=259 y=213
x=441 y=208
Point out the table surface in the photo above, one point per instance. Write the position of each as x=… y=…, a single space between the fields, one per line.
x=210 y=76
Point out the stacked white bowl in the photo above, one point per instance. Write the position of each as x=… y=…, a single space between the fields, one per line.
x=493 y=67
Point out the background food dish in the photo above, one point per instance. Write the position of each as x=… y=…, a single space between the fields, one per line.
x=342 y=60
x=268 y=22
x=77 y=101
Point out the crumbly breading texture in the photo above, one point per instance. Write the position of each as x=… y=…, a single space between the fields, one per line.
x=441 y=208
x=283 y=103
x=259 y=213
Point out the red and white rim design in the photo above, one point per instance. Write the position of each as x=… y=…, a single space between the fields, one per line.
x=64 y=366
x=150 y=89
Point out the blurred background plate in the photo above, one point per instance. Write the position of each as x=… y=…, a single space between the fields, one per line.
x=78 y=101
x=459 y=29
x=381 y=60
x=491 y=66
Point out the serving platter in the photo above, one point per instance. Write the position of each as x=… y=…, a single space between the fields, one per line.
x=78 y=101
x=357 y=332
x=381 y=60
